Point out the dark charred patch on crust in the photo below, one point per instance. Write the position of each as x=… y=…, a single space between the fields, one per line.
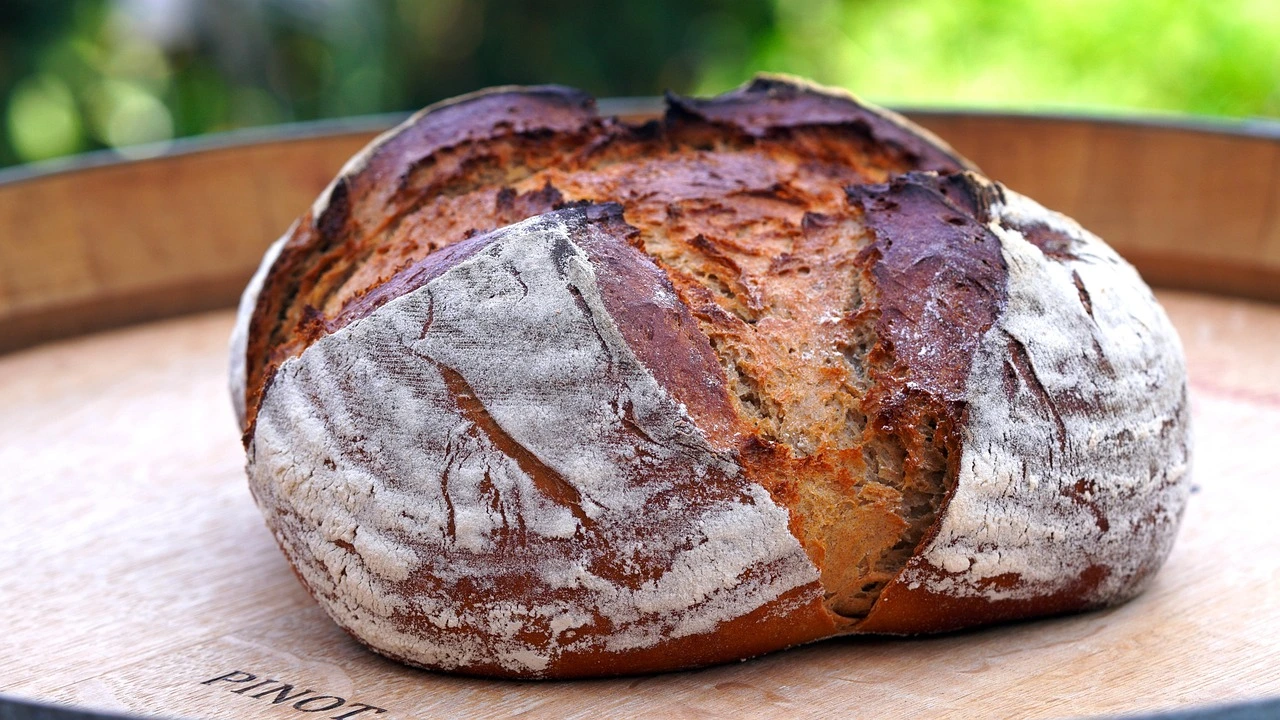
x=511 y=206
x=332 y=222
x=608 y=218
x=967 y=193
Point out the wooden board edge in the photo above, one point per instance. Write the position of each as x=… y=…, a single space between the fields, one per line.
x=26 y=329
x=51 y=323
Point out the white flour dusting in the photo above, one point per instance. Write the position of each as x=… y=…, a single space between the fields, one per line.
x=397 y=501
x=1075 y=453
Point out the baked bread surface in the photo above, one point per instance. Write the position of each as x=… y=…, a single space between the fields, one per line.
x=535 y=393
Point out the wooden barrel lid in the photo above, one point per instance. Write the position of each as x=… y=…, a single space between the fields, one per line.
x=138 y=576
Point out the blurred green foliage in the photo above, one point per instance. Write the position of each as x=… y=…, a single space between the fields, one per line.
x=78 y=75
x=1219 y=57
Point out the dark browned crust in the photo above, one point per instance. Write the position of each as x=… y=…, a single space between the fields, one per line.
x=749 y=225
x=484 y=136
x=786 y=223
x=365 y=196
x=680 y=357
x=770 y=103
x=903 y=610
x=940 y=284
x=761 y=631
x=378 y=194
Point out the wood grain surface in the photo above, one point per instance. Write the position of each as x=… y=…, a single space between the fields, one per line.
x=137 y=570
x=125 y=242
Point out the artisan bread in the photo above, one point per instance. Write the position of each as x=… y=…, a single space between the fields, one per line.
x=531 y=392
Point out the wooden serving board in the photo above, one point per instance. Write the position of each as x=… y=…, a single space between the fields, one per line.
x=137 y=575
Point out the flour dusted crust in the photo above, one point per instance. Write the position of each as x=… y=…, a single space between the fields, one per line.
x=535 y=393
x=536 y=502
x=1073 y=472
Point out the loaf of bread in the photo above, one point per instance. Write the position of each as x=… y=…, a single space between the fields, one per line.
x=535 y=393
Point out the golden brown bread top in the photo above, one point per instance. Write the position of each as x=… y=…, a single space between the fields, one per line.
x=485 y=474
x=741 y=201
x=937 y=379
x=452 y=171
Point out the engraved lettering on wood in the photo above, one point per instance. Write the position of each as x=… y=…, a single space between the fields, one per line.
x=278 y=692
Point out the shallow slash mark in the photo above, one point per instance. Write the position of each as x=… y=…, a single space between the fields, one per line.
x=1085 y=298
x=431 y=317
x=1022 y=364
x=515 y=275
x=624 y=410
x=550 y=482
x=581 y=302
x=449 y=453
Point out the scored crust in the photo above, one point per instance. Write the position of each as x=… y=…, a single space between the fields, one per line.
x=1073 y=471
x=537 y=502
x=536 y=393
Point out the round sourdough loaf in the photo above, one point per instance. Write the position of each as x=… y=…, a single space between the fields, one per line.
x=530 y=392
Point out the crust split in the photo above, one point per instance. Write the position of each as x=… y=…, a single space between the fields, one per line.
x=536 y=393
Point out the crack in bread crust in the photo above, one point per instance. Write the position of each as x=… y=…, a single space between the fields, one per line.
x=748 y=218
x=814 y=305
x=520 y=496
x=1074 y=471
